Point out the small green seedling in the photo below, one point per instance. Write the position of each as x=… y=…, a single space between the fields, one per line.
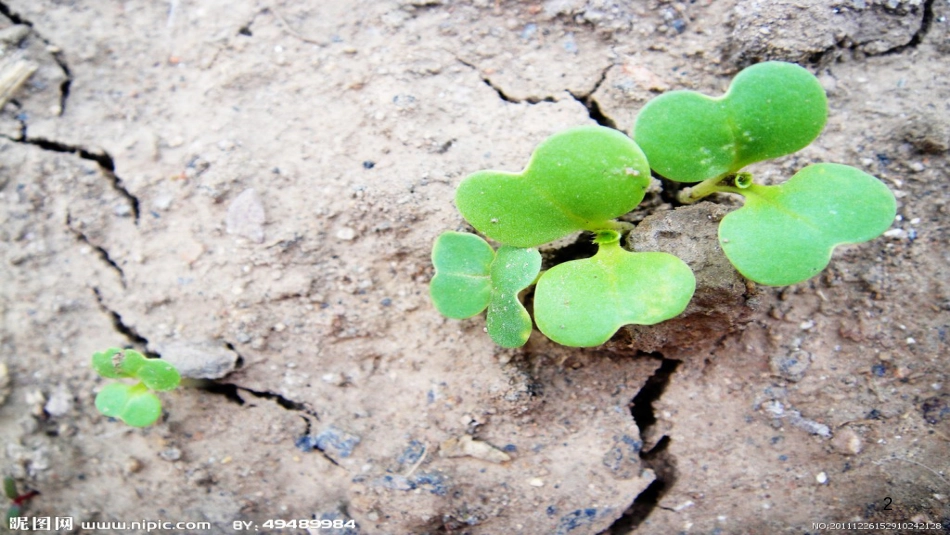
x=579 y=179
x=470 y=277
x=783 y=234
x=17 y=500
x=134 y=404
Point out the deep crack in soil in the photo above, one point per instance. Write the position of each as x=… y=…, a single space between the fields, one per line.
x=657 y=458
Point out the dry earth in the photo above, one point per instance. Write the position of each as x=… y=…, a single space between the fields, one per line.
x=252 y=188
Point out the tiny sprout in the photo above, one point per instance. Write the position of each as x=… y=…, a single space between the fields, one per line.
x=471 y=277
x=134 y=404
x=17 y=500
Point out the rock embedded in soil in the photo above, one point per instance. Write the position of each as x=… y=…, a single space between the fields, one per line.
x=246 y=216
x=199 y=360
x=805 y=33
x=722 y=301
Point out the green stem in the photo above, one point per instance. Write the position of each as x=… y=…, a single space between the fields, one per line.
x=619 y=226
x=728 y=183
x=536 y=279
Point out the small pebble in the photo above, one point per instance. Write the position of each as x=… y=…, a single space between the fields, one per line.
x=246 y=216
x=132 y=466
x=346 y=234
x=171 y=454
x=821 y=478
x=847 y=442
x=536 y=482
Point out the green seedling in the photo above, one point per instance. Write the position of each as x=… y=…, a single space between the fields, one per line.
x=470 y=277
x=579 y=179
x=582 y=303
x=784 y=234
x=135 y=404
x=17 y=500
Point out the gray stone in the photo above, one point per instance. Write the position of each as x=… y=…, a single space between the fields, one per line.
x=246 y=216
x=722 y=301
x=200 y=360
x=60 y=403
x=790 y=366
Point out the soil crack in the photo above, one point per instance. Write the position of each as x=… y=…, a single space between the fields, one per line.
x=822 y=57
x=120 y=326
x=103 y=159
x=918 y=37
x=593 y=107
x=55 y=51
x=501 y=93
x=101 y=251
x=658 y=458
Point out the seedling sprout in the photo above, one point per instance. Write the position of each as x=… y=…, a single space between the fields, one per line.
x=135 y=404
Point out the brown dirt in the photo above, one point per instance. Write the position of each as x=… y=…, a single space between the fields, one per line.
x=125 y=168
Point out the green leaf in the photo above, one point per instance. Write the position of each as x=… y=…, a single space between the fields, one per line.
x=132 y=363
x=770 y=110
x=577 y=179
x=470 y=276
x=461 y=286
x=513 y=270
x=133 y=404
x=104 y=364
x=112 y=398
x=785 y=234
x=9 y=488
x=582 y=303
x=159 y=375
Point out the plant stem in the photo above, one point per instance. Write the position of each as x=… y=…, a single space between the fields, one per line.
x=728 y=183
x=619 y=226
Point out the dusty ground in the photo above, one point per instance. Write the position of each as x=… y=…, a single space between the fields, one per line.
x=258 y=184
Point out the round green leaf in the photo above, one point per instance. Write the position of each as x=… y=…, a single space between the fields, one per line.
x=159 y=375
x=461 y=286
x=576 y=179
x=133 y=404
x=143 y=409
x=105 y=363
x=785 y=234
x=582 y=303
x=513 y=270
x=112 y=398
x=771 y=109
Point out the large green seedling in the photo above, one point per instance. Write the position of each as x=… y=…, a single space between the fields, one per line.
x=784 y=234
x=579 y=179
x=134 y=404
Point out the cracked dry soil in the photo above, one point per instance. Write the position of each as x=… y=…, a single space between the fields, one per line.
x=259 y=183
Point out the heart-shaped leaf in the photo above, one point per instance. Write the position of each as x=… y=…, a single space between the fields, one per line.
x=770 y=110
x=470 y=276
x=582 y=303
x=785 y=234
x=513 y=270
x=133 y=404
x=578 y=179
x=461 y=286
